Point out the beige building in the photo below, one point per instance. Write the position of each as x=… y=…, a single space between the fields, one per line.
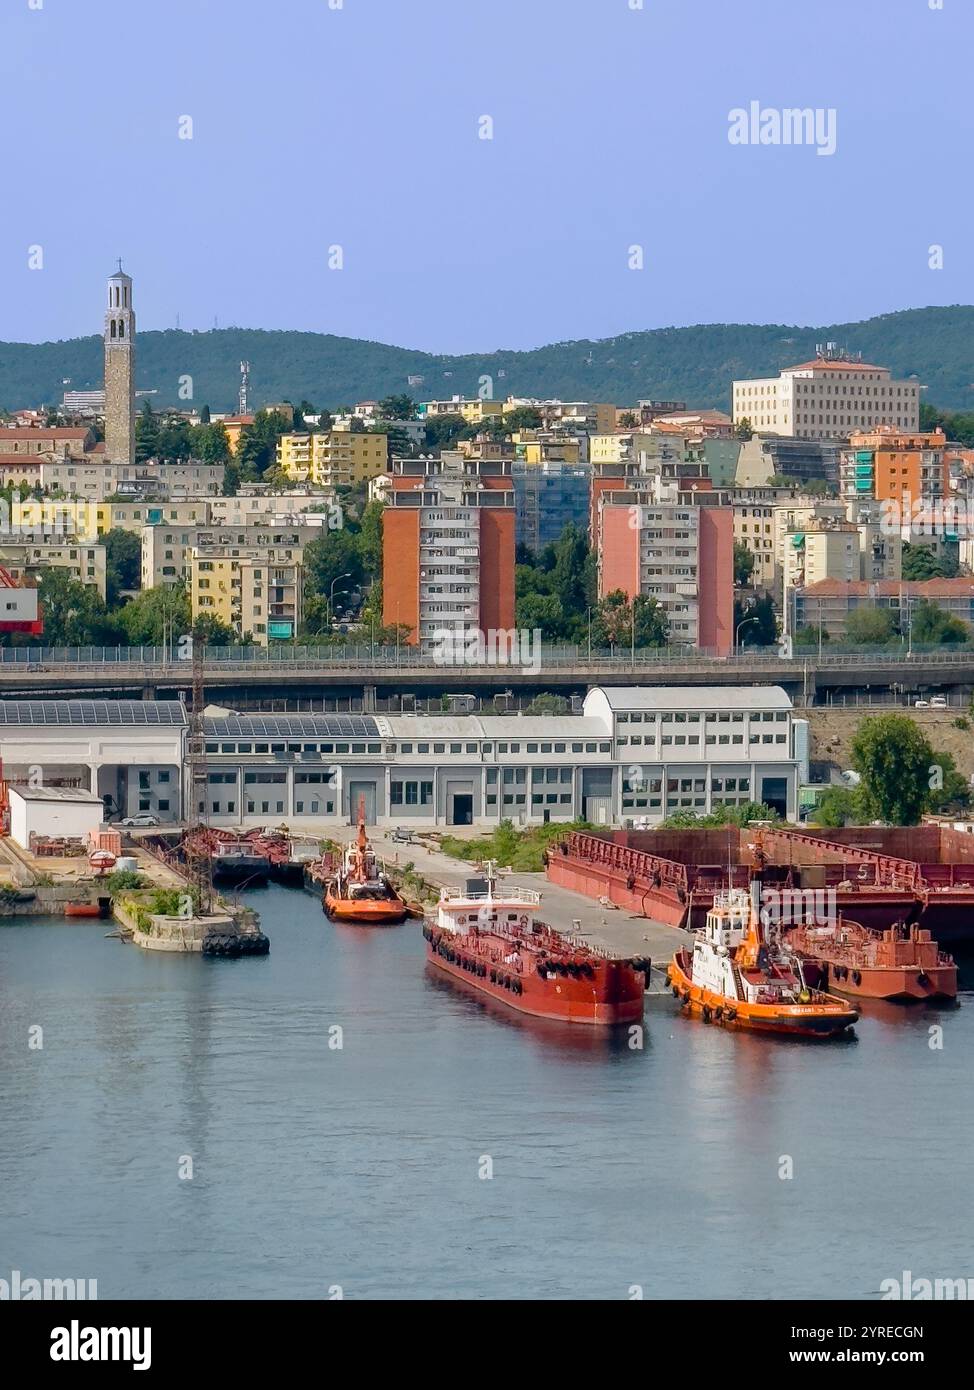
x=473 y=411
x=29 y=557
x=637 y=447
x=842 y=550
x=827 y=398
x=338 y=458
x=120 y=370
x=259 y=592
x=167 y=550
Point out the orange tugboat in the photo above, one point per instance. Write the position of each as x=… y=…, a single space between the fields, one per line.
x=494 y=943
x=359 y=892
x=902 y=963
x=741 y=975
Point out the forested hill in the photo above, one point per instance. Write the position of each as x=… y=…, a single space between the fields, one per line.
x=695 y=365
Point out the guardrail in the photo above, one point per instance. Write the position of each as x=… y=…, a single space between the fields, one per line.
x=364 y=659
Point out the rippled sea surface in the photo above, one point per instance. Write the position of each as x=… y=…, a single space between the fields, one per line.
x=315 y=1166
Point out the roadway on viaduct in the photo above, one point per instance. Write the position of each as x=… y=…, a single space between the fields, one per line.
x=378 y=682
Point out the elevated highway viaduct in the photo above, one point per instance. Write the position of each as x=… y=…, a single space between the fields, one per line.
x=384 y=681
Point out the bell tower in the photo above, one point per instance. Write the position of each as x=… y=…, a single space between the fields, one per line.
x=120 y=370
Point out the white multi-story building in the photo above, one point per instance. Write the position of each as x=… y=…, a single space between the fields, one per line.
x=633 y=754
x=827 y=398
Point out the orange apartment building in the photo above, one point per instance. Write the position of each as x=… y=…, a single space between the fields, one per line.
x=890 y=465
x=448 y=546
x=679 y=551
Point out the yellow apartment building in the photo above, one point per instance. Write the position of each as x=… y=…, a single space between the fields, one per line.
x=336 y=458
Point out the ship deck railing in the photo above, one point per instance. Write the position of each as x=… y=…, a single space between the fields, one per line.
x=513 y=897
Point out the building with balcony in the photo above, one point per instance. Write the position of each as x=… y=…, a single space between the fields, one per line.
x=678 y=548
x=337 y=458
x=448 y=542
x=257 y=590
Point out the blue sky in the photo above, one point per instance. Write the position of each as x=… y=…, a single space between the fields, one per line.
x=358 y=127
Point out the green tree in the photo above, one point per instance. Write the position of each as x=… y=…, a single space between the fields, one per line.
x=755 y=622
x=155 y=616
x=524 y=417
x=146 y=435
x=743 y=429
x=931 y=625
x=209 y=630
x=74 y=614
x=257 y=448
x=210 y=443
x=894 y=759
x=921 y=562
x=948 y=787
x=123 y=562
x=652 y=628
x=400 y=407
x=870 y=626
x=838 y=806
x=743 y=564
x=370 y=539
x=334 y=555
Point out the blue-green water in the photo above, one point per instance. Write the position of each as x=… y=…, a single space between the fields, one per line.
x=359 y=1167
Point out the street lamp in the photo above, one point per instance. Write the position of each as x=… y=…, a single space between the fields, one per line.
x=331 y=592
x=737 y=633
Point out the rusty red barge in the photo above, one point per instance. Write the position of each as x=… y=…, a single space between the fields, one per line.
x=491 y=940
x=918 y=875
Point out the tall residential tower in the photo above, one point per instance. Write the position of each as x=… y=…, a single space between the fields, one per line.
x=120 y=370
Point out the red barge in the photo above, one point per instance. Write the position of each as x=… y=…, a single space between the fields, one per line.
x=494 y=943
x=903 y=963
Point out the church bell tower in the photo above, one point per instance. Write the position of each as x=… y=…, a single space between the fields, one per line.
x=120 y=370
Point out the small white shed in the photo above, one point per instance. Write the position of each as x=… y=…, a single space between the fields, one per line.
x=57 y=812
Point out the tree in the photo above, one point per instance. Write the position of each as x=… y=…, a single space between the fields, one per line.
x=870 y=626
x=205 y=415
x=652 y=628
x=123 y=562
x=948 y=787
x=400 y=407
x=541 y=611
x=548 y=704
x=146 y=435
x=743 y=429
x=211 y=632
x=334 y=555
x=257 y=448
x=921 y=562
x=523 y=417
x=156 y=615
x=930 y=625
x=755 y=622
x=894 y=759
x=743 y=564
x=838 y=806
x=628 y=421
x=74 y=614
x=210 y=443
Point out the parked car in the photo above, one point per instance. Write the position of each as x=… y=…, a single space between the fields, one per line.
x=403 y=834
x=143 y=820
x=921 y=704
x=938 y=702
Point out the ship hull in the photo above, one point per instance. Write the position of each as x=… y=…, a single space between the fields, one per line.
x=237 y=868
x=615 y=996
x=897 y=983
x=369 y=912
x=785 y=1020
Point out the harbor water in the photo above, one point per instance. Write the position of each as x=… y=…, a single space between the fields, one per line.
x=334 y=1118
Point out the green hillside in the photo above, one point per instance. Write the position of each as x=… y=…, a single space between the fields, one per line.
x=692 y=364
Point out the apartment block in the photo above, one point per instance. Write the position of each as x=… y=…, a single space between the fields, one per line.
x=679 y=552
x=448 y=537
x=473 y=411
x=890 y=465
x=259 y=592
x=338 y=458
x=28 y=558
x=840 y=550
x=167 y=550
x=829 y=397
